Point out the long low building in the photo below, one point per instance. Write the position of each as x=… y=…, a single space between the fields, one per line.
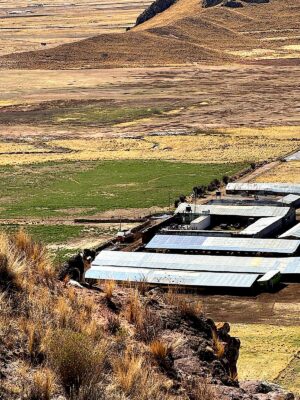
x=280 y=189
x=167 y=277
x=189 y=270
x=247 y=211
x=263 y=227
x=223 y=244
x=197 y=263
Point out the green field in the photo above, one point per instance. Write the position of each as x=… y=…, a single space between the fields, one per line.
x=85 y=188
x=50 y=234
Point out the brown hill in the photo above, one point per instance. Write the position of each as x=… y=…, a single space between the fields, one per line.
x=184 y=33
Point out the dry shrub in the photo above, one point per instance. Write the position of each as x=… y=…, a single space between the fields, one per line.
x=143 y=287
x=24 y=261
x=127 y=370
x=76 y=359
x=135 y=378
x=219 y=346
x=160 y=351
x=34 y=335
x=200 y=389
x=134 y=308
x=42 y=386
x=113 y=324
x=187 y=309
x=12 y=266
x=147 y=323
x=108 y=289
x=190 y=309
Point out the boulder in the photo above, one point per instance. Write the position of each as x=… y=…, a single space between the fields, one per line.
x=210 y=3
x=232 y=4
x=155 y=8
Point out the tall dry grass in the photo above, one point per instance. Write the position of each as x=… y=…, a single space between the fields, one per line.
x=147 y=323
x=187 y=309
x=218 y=345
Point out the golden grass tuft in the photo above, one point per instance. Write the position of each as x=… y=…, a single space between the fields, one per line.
x=127 y=370
x=200 y=389
x=109 y=287
x=159 y=350
x=219 y=346
x=42 y=386
x=185 y=308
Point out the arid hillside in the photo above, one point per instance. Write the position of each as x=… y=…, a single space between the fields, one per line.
x=28 y=26
x=185 y=33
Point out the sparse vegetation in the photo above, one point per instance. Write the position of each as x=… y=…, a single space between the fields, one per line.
x=199 y=389
x=186 y=308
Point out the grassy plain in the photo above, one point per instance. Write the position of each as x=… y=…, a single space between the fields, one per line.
x=62 y=189
x=209 y=147
x=269 y=353
x=286 y=172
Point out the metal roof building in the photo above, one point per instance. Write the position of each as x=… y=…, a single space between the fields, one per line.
x=229 y=210
x=264 y=188
x=293 y=157
x=223 y=244
x=167 y=277
x=292 y=233
x=188 y=270
x=291 y=200
x=191 y=262
x=262 y=227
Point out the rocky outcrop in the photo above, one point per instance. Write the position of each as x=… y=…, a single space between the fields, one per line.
x=257 y=1
x=155 y=8
x=207 y=351
x=210 y=3
x=232 y=4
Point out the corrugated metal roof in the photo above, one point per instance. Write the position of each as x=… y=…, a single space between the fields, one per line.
x=243 y=211
x=293 y=267
x=200 y=219
x=188 y=242
x=268 y=276
x=293 y=232
x=276 y=188
x=191 y=262
x=293 y=157
x=260 y=225
x=205 y=279
x=289 y=199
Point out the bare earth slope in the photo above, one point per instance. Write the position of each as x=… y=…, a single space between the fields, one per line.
x=184 y=33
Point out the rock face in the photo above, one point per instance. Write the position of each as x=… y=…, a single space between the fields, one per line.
x=257 y=1
x=207 y=351
x=155 y=8
x=232 y=4
x=210 y=3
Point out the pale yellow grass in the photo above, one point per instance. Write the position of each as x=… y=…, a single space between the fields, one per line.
x=226 y=146
x=265 y=350
x=285 y=172
x=13 y=147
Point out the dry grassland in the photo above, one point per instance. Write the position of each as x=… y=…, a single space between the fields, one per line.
x=266 y=351
x=230 y=145
x=58 y=22
x=286 y=172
